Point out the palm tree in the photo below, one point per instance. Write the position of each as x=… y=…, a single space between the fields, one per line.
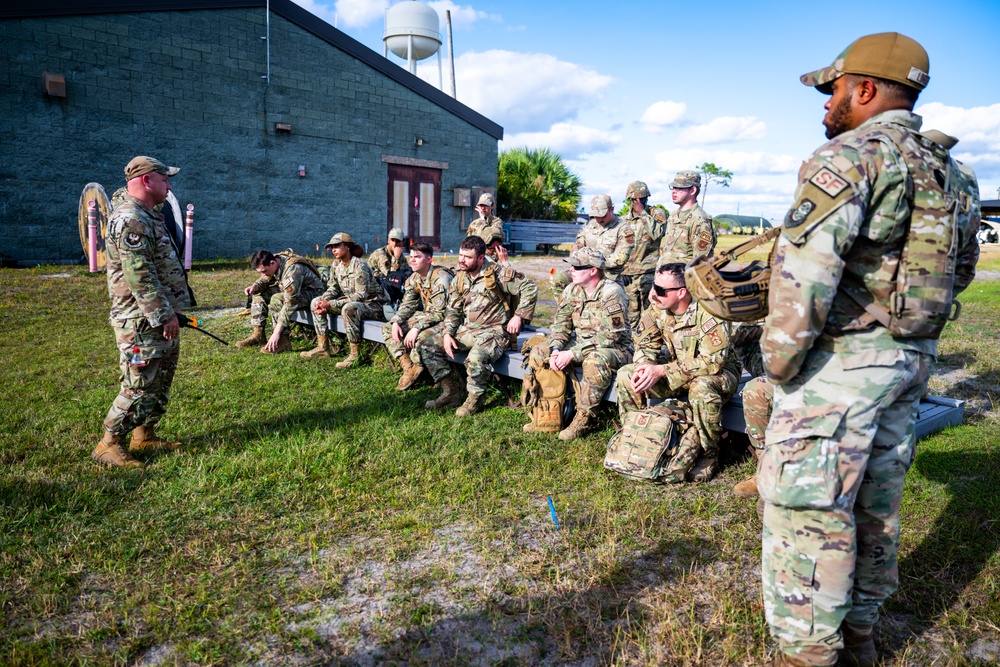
x=535 y=183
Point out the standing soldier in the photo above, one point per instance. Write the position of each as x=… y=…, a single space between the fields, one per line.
x=879 y=240
x=589 y=330
x=351 y=292
x=424 y=301
x=648 y=227
x=389 y=257
x=605 y=232
x=700 y=364
x=478 y=319
x=147 y=287
x=690 y=231
x=486 y=219
x=287 y=284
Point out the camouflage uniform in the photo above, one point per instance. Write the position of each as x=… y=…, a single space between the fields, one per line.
x=841 y=437
x=599 y=333
x=423 y=305
x=648 y=229
x=614 y=240
x=758 y=403
x=745 y=341
x=353 y=294
x=477 y=312
x=700 y=363
x=382 y=261
x=689 y=233
x=291 y=289
x=480 y=225
x=147 y=287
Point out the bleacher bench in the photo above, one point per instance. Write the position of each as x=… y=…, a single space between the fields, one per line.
x=540 y=232
x=935 y=412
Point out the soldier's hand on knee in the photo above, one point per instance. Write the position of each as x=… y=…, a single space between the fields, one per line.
x=397 y=332
x=646 y=376
x=449 y=346
x=411 y=338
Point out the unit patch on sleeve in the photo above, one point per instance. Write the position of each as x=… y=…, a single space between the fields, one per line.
x=829 y=181
x=704 y=240
x=132 y=240
x=709 y=324
x=798 y=215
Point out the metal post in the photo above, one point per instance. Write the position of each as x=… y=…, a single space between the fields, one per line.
x=92 y=234
x=451 y=52
x=188 y=236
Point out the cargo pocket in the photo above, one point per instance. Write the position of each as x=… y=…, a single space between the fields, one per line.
x=799 y=467
x=791 y=593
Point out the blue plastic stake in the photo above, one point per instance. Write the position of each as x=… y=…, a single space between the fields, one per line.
x=552 y=508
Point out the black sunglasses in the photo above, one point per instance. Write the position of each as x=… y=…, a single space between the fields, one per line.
x=662 y=291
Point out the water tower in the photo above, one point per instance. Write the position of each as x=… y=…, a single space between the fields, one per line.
x=411 y=32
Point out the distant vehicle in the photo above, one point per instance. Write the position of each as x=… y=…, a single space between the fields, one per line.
x=743 y=224
x=989 y=232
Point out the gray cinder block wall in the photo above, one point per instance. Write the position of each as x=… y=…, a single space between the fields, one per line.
x=187 y=87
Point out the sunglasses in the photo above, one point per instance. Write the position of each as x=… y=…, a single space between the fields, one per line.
x=663 y=291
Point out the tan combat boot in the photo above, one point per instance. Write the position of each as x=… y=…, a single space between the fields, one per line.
x=784 y=660
x=451 y=394
x=144 y=438
x=110 y=451
x=748 y=487
x=472 y=405
x=859 y=646
x=256 y=339
x=284 y=344
x=323 y=349
x=578 y=427
x=354 y=355
x=411 y=372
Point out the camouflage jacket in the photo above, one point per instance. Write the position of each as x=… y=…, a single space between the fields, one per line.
x=614 y=240
x=145 y=276
x=353 y=281
x=848 y=224
x=689 y=233
x=648 y=228
x=298 y=285
x=382 y=262
x=591 y=322
x=479 y=225
x=697 y=344
x=485 y=301
x=429 y=293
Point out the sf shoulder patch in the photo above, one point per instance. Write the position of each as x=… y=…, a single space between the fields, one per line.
x=132 y=240
x=829 y=181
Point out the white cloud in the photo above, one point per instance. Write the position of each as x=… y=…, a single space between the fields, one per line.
x=741 y=163
x=659 y=115
x=723 y=129
x=569 y=141
x=462 y=16
x=975 y=128
x=352 y=13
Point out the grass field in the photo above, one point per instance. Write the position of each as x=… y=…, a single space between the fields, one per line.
x=317 y=516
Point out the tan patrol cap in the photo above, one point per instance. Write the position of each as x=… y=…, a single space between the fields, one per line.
x=396 y=234
x=887 y=55
x=600 y=205
x=142 y=164
x=485 y=199
x=340 y=237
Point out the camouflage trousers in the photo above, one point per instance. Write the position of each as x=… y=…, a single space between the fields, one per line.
x=483 y=345
x=638 y=296
x=758 y=401
x=745 y=340
x=353 y=313
x=599 y=368
x=145 y=387
x=837 y=448
x=271 y=300
x=398 y=349
x=705 y=395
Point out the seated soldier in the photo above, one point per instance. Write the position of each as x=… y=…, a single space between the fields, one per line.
x=493 y=238
x=389 y=257
x=287 y=283
x=478 y=318
x=422 y=307
x=352 y=293
x=590 y=330
x=700 y=364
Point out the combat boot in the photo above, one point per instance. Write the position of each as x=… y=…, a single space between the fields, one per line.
x=284 y=344
x=451 y=394
x=323 y=349
x=411 y=372
x=747 y=488
x=578 y=427
x=859 y=646
x=256 y=339
x=144 y=438
x=354 y=355
x=704 y=470
x=784 y=660
x=110 y=451
x=472 y=405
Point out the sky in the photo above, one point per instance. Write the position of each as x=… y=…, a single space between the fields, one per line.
x=641 y=90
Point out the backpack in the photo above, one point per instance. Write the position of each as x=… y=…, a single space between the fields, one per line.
x=292 y=258
x=647 y=442
x=543 y=389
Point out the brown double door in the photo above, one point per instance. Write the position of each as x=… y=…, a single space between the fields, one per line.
x=414 y=198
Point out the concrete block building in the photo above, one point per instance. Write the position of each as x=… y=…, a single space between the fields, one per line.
x=286 y=129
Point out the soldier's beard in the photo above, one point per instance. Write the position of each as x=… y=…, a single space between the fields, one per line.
x=838 y=120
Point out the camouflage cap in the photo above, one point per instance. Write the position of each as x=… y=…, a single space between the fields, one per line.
x=686 y=179
x=141 y=164
x=887 y=55
x=586 y=256
x=491 y=234
x=637 y=190
x=485 y=199
x=340 y=237
x=600 y=205
x=396 y=234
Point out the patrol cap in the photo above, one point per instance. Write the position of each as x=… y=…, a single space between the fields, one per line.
x=887 y=55
x=586 y=256
x=485 y=199
x=637 y=190
x=142 y=164
x=686 y=179
x=599 y=206
x=396 y=234
x=491 y=234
